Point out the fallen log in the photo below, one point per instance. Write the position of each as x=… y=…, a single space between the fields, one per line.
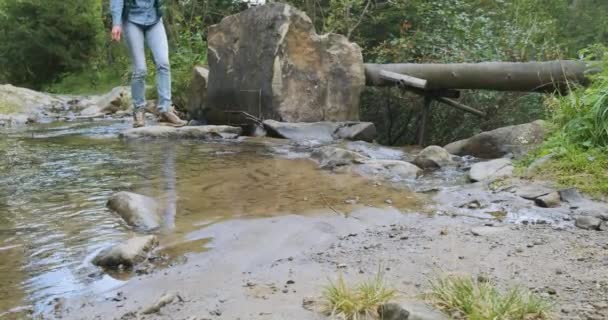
x=502 y=76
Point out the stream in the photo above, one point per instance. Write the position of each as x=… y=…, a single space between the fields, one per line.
x=55 y=180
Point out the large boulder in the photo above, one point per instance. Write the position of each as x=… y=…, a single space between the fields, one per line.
x=321 y=131
x=491 y=170
x=137 y=210
x=516 y=140
x=188 y=132
x=269 y=62
x=197 y=97
x=21 y=105
x=127 y=254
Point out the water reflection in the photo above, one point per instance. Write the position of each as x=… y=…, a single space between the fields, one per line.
x=170 y=205
x=54 y=189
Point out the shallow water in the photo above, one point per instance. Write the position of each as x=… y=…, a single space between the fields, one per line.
x=55 y=180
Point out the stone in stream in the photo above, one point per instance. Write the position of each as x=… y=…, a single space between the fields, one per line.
x=137 y=210
x=533 y=191
x=550 y=200
x=188 y=132
x=433 y=157
x=323 y=131
x=128 y=254
x=491 y=170
x=330 y=157
x=516 y=140
x=389 y=169
x=571 y=195
x=588 y=223
x=269 y=61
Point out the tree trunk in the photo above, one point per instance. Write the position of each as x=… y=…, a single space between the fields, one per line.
x=502 y=76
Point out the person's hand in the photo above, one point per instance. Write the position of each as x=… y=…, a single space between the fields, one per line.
x=116 y=33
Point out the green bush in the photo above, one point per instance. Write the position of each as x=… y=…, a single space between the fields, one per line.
x=39 y=40
x=579 y=134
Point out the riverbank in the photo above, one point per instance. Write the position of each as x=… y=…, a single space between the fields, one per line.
x=266 y=268
x=255 y=220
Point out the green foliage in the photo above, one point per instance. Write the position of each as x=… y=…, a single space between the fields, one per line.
x=361 y=302
x=582 y=116
x=474 y=300
x=41 y=40
x=579 y=139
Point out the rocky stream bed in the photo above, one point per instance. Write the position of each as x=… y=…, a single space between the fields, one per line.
x=254 y=228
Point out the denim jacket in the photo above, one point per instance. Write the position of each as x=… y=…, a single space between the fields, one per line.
x=142 y=12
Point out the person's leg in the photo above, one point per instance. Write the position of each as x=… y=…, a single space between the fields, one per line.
x=134 y=36
x=157 y=41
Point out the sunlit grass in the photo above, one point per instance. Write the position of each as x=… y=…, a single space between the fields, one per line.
x=464 y=298
x=360 y=302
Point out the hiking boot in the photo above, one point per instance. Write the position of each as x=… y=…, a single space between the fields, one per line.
x=138 y=119
x=172 y=119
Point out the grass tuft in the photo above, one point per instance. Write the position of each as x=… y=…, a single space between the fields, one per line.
x=358 y=303
x=465 y=298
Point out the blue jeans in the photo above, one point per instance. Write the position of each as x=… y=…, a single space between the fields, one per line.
x=156 y=38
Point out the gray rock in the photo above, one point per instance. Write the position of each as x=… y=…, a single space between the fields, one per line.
x=18 y=104
x=375 y=151
x=137 y=210
x=389 y=169
x=321 y=131
x=533 y=191
x=164 y=300
x=392 y=311
x=361 y=131
x=571 y=195
x=188 y=132
x=516 y=140
x=330 y=157
x=551 y=200
x=118 y=99
x=433 y=157
x=128 y=254
x=588 y=223
x=269 y=62
x=491 y=170
x=196 y=104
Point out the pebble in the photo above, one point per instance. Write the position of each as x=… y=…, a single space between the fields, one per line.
x=551 y=291
x=388 y=201
x=290 y=282
x=341 y=266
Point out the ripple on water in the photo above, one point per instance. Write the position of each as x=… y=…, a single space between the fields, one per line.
x=55 y=180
